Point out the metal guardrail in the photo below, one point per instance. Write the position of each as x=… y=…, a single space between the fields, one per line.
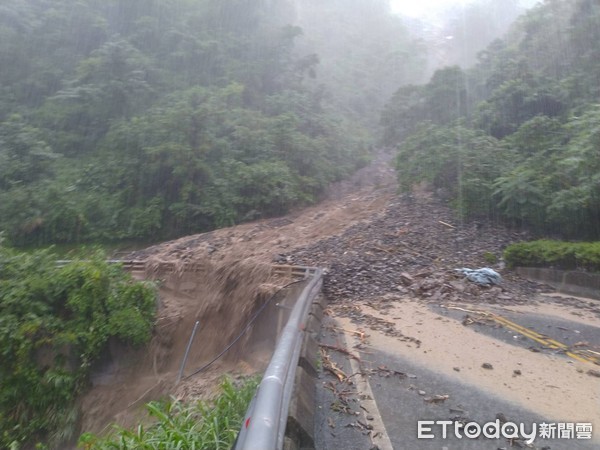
x=266 y=418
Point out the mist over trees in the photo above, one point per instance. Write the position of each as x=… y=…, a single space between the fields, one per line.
x=365 y=53
x=515 y=138
x=455 y=34
x=148 y=119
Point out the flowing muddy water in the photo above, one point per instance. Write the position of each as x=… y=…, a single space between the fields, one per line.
x=223 y=298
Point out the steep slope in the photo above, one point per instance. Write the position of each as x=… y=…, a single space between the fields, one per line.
x=374 y=243
x=233 y=279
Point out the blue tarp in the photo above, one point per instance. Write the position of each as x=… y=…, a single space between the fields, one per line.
x=482 y=277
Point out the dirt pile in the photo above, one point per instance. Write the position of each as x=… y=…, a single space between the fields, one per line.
x=414 y=248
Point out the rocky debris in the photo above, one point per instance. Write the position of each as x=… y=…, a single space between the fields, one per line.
x=481 y=319
x=406 y=279
x=385 y=372
x=408 y=250
x=437 y=398
x=386 y=327
x=487 y=366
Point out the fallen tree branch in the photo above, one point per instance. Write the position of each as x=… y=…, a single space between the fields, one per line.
x=447 y=225
x=341 y=350
x=360 y=334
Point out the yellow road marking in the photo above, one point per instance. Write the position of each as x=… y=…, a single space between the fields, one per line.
x=579 y=355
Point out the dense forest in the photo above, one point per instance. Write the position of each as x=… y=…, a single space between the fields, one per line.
x=148 y=119
x=515 y=138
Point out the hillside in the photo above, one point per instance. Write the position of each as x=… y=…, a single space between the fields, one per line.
x=390 y=261
x=151 y=119
x=515 y=138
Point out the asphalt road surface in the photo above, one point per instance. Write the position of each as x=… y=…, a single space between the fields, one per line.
x=377 y=402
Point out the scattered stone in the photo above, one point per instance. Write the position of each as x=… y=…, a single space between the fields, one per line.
x=593 y=373
x=330 y=422
x=487 y=366
x=406 y=279
x=400 y=251
x=437 y=398
x=456 y=369
x=422 y=392
x=367 y=426
x=517 y=372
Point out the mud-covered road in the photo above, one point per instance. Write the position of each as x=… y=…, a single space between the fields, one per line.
x=424 y=361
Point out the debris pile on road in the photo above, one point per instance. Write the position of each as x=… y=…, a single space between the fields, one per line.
x=410 y=249
x=386 y=327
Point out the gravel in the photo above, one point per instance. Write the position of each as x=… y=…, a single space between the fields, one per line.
x=414 y=249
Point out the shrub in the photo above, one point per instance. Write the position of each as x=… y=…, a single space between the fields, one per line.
x=556 y=254
x=54 y=322
x=201 y=425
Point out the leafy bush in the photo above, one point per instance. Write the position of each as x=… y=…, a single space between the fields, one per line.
x=556 y=254
x=54 y=322
x=200 y=425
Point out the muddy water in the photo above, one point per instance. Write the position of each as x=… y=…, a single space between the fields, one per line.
x=223 y=298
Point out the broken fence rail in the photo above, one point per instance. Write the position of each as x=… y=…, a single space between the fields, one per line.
x=265 y=421
x=140 y=266
x=129 y=265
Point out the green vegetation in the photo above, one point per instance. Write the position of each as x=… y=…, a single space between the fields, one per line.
x=149 y=119
x=516 y=138
x=555 y=254
x=200 y=425
x=54 y=323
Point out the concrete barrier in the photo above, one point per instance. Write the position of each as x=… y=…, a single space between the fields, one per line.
x=300 y=428
x=582 y=284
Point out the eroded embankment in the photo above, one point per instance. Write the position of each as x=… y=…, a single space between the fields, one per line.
x=223 y=297
x=225 y=292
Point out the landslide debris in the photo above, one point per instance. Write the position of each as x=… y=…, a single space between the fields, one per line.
x=413 y=248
